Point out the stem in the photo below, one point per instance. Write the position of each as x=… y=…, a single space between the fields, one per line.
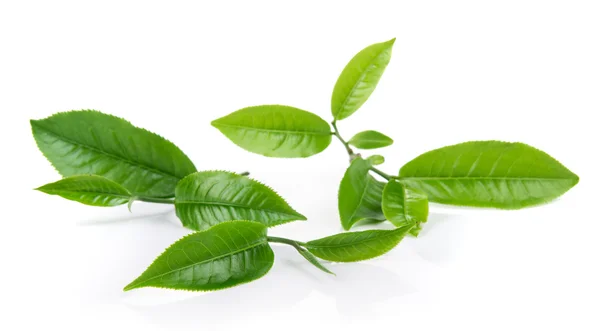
x=296 y=244
x=349 y=150
x=381 y=173
x=156 y=200
x=353 y=155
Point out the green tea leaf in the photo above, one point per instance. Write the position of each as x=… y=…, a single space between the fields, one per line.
x=370 y=140
x=359 y=196
x=313 y=260
x=403 y=205
x=207 y=198
x=89 y=142
x=229 y=254
x=416 y=230
x=376 y=159
x=276 y=131
x=359 y=79
x=357 y=246
x=488 y=174
x=90 y=190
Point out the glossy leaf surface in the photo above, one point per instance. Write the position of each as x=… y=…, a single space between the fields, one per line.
x=229 y=254
x=90 y=190
x=370 y=140
x=359 y=79
x=357 y=246
x=359 y=196
x=403 y=205
x=488 y=174
x=207 y=198
x=276 y=131
x=89 y=142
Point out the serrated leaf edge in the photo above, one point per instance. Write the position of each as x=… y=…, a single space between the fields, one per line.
x=131 y=285
x=296 y=213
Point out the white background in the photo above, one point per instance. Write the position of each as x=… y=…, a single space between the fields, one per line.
x=461 y=70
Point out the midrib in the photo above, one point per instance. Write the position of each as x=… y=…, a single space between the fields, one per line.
x=99 y=151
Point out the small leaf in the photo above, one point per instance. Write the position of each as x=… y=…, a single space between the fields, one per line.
x=359 y=79
x=312 y=259
x=416 y=230
x=370 y=140
x=276 y=131
x=359 y=196
x=229 y=254
x=208 y=198
x=90 y=190
x=376 y=160
x=403 y=206
x=357 y=246
x=90 y=142
x=488 y=174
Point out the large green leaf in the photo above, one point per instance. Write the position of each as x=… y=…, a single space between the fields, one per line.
x=370 y=140
x=229 y=254
x=276 y=131
x=208 y=198
x=488 y=174
x=89 y=142
x=359 y=196
x=403 y=205
x=90 y=190
x=359 y=79
x=357 y=246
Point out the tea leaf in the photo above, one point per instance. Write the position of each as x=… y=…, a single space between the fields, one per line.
x=89 y=142
x=403 y=206
x=359 y=196
x=359 y=79
x=370 y=140
x=313 y=260
x=207 y=198
x=488 y=174
x=357 y=246
x=90 y=190
x=276 y=131
x=376 y=159
x=229 y=254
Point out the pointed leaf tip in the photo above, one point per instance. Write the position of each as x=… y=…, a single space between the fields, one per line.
x=227 y=255
x=207 y=198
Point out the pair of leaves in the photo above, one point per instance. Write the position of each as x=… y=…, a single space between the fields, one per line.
x=88 y=142
x=362 y=197
x=488 y=174
x=359 y=195
x=237 y=252
x=288 y=132
x=202 y=199
x=110 y=162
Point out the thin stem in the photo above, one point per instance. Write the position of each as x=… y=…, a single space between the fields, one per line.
x=296 y=244
x=245 y=173
x=336 y=133
x=156 y=200
x=381 y=173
